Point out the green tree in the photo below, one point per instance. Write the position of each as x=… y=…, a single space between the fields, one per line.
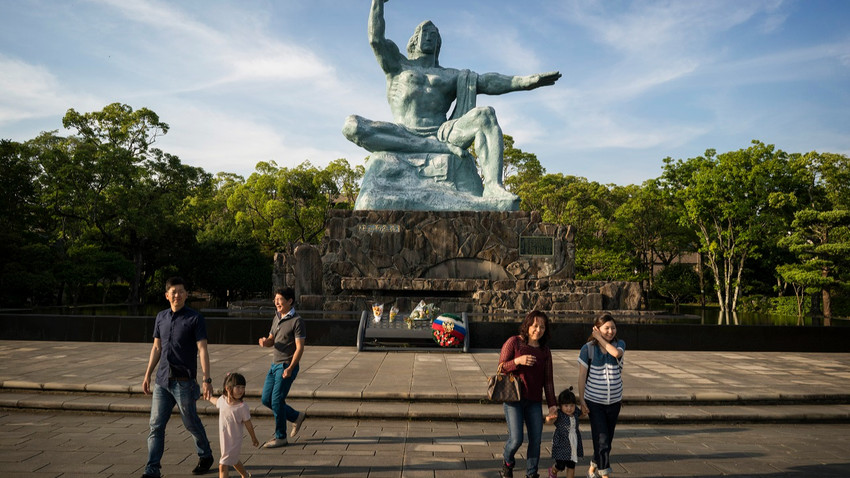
x=284 y=207
x=346 y=181
x=803 y=278
x=227 y=261
x=648 y=222
x=21 y=242
x=821 y=242
x=677 y=281
x=109 y=187
x=734 y=201
x=519 y=166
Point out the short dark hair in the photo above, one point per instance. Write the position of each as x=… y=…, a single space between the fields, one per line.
x=567 y=397
x=287 y=293
x=173 y=282
x=529 y=321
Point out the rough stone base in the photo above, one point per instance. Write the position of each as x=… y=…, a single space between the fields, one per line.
x=470 y=262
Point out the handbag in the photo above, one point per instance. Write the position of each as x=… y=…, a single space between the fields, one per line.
x=503 y=387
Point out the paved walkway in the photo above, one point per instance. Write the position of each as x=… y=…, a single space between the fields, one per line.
x=341 y=382
x=413 y=414
x=70 y=444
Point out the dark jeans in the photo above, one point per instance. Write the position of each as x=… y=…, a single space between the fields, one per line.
x=530 y=413
x=603 y=420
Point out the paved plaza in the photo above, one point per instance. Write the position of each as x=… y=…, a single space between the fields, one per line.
x=76 y=409
x=67 y=444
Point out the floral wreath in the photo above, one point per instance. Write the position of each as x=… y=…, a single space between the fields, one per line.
x=444 y=337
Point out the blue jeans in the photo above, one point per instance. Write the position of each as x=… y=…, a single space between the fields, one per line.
x=184 y=394
x=532 y=414
x=603 y=420
x=275 y=391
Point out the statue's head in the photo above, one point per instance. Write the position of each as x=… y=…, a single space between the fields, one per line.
x=426 y=39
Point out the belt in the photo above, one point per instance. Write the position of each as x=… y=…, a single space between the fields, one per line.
x=179 y=379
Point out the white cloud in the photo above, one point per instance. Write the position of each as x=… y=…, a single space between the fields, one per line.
x=29 y=91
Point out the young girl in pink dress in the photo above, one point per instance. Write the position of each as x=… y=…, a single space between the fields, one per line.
x=232 y=414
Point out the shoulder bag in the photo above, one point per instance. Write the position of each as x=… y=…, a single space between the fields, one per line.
x=503 y=387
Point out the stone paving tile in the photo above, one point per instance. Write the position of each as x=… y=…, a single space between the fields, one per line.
x=342 y=371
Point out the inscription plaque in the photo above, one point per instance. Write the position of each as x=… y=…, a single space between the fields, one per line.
x=536 y=246
x=378 y=228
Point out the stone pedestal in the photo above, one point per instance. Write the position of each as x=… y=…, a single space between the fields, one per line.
x=426 y=182
x=485 y=262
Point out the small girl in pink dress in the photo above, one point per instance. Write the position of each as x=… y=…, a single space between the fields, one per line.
x=232 y=413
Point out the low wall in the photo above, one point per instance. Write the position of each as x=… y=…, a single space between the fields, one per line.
x=483 y=335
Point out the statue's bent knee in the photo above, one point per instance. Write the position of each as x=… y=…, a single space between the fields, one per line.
x=484 y=116
x=352 y=129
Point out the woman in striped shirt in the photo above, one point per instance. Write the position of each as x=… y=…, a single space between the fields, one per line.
x=600 y=389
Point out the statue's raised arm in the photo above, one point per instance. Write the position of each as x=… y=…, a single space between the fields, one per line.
x=387 y=52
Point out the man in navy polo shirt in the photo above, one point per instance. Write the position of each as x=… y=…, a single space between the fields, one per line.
x=179 y=336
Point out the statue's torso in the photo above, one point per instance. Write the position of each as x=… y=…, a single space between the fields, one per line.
x=421 y=97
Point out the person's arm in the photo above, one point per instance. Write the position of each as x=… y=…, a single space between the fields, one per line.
x=549 y=385
x=507 y=357
x=582 y=378
x=205 y=368
x=250 y=427
x=386 y=51
x=498 y=84
x=606 y=346
x=296 y=357
x=156 y=351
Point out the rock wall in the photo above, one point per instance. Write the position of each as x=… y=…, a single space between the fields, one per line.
x=491 y=263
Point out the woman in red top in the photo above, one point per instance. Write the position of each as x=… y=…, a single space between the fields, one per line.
x=528 y=357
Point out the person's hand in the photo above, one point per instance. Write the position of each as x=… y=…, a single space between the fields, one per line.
x=255 y=442
x=146 y=385
x=528 y=360
x=207 y=387
x=584 y=409
x=551 y=419
x=263 y=341
x=597 y=334
x=287 y=372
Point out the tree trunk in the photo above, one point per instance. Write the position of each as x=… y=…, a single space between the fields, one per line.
x=827 y=307
x=136 y=284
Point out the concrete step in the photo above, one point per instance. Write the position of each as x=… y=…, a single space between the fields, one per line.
x=639 y=412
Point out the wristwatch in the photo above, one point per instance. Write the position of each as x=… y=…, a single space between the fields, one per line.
x=208 y=380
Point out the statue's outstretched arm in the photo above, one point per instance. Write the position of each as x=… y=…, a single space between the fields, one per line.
x=497 y=83
x=386 y=51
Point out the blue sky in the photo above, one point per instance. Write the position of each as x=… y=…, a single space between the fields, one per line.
x=246 y=81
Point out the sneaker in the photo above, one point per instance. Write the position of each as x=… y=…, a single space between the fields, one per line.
x=275 y=443
x=204 y=465
x=506 y=471
x=296 y=426
x=553 y=473
x=592 y=474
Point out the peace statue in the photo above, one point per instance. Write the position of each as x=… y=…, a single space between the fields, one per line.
x=421 y=161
